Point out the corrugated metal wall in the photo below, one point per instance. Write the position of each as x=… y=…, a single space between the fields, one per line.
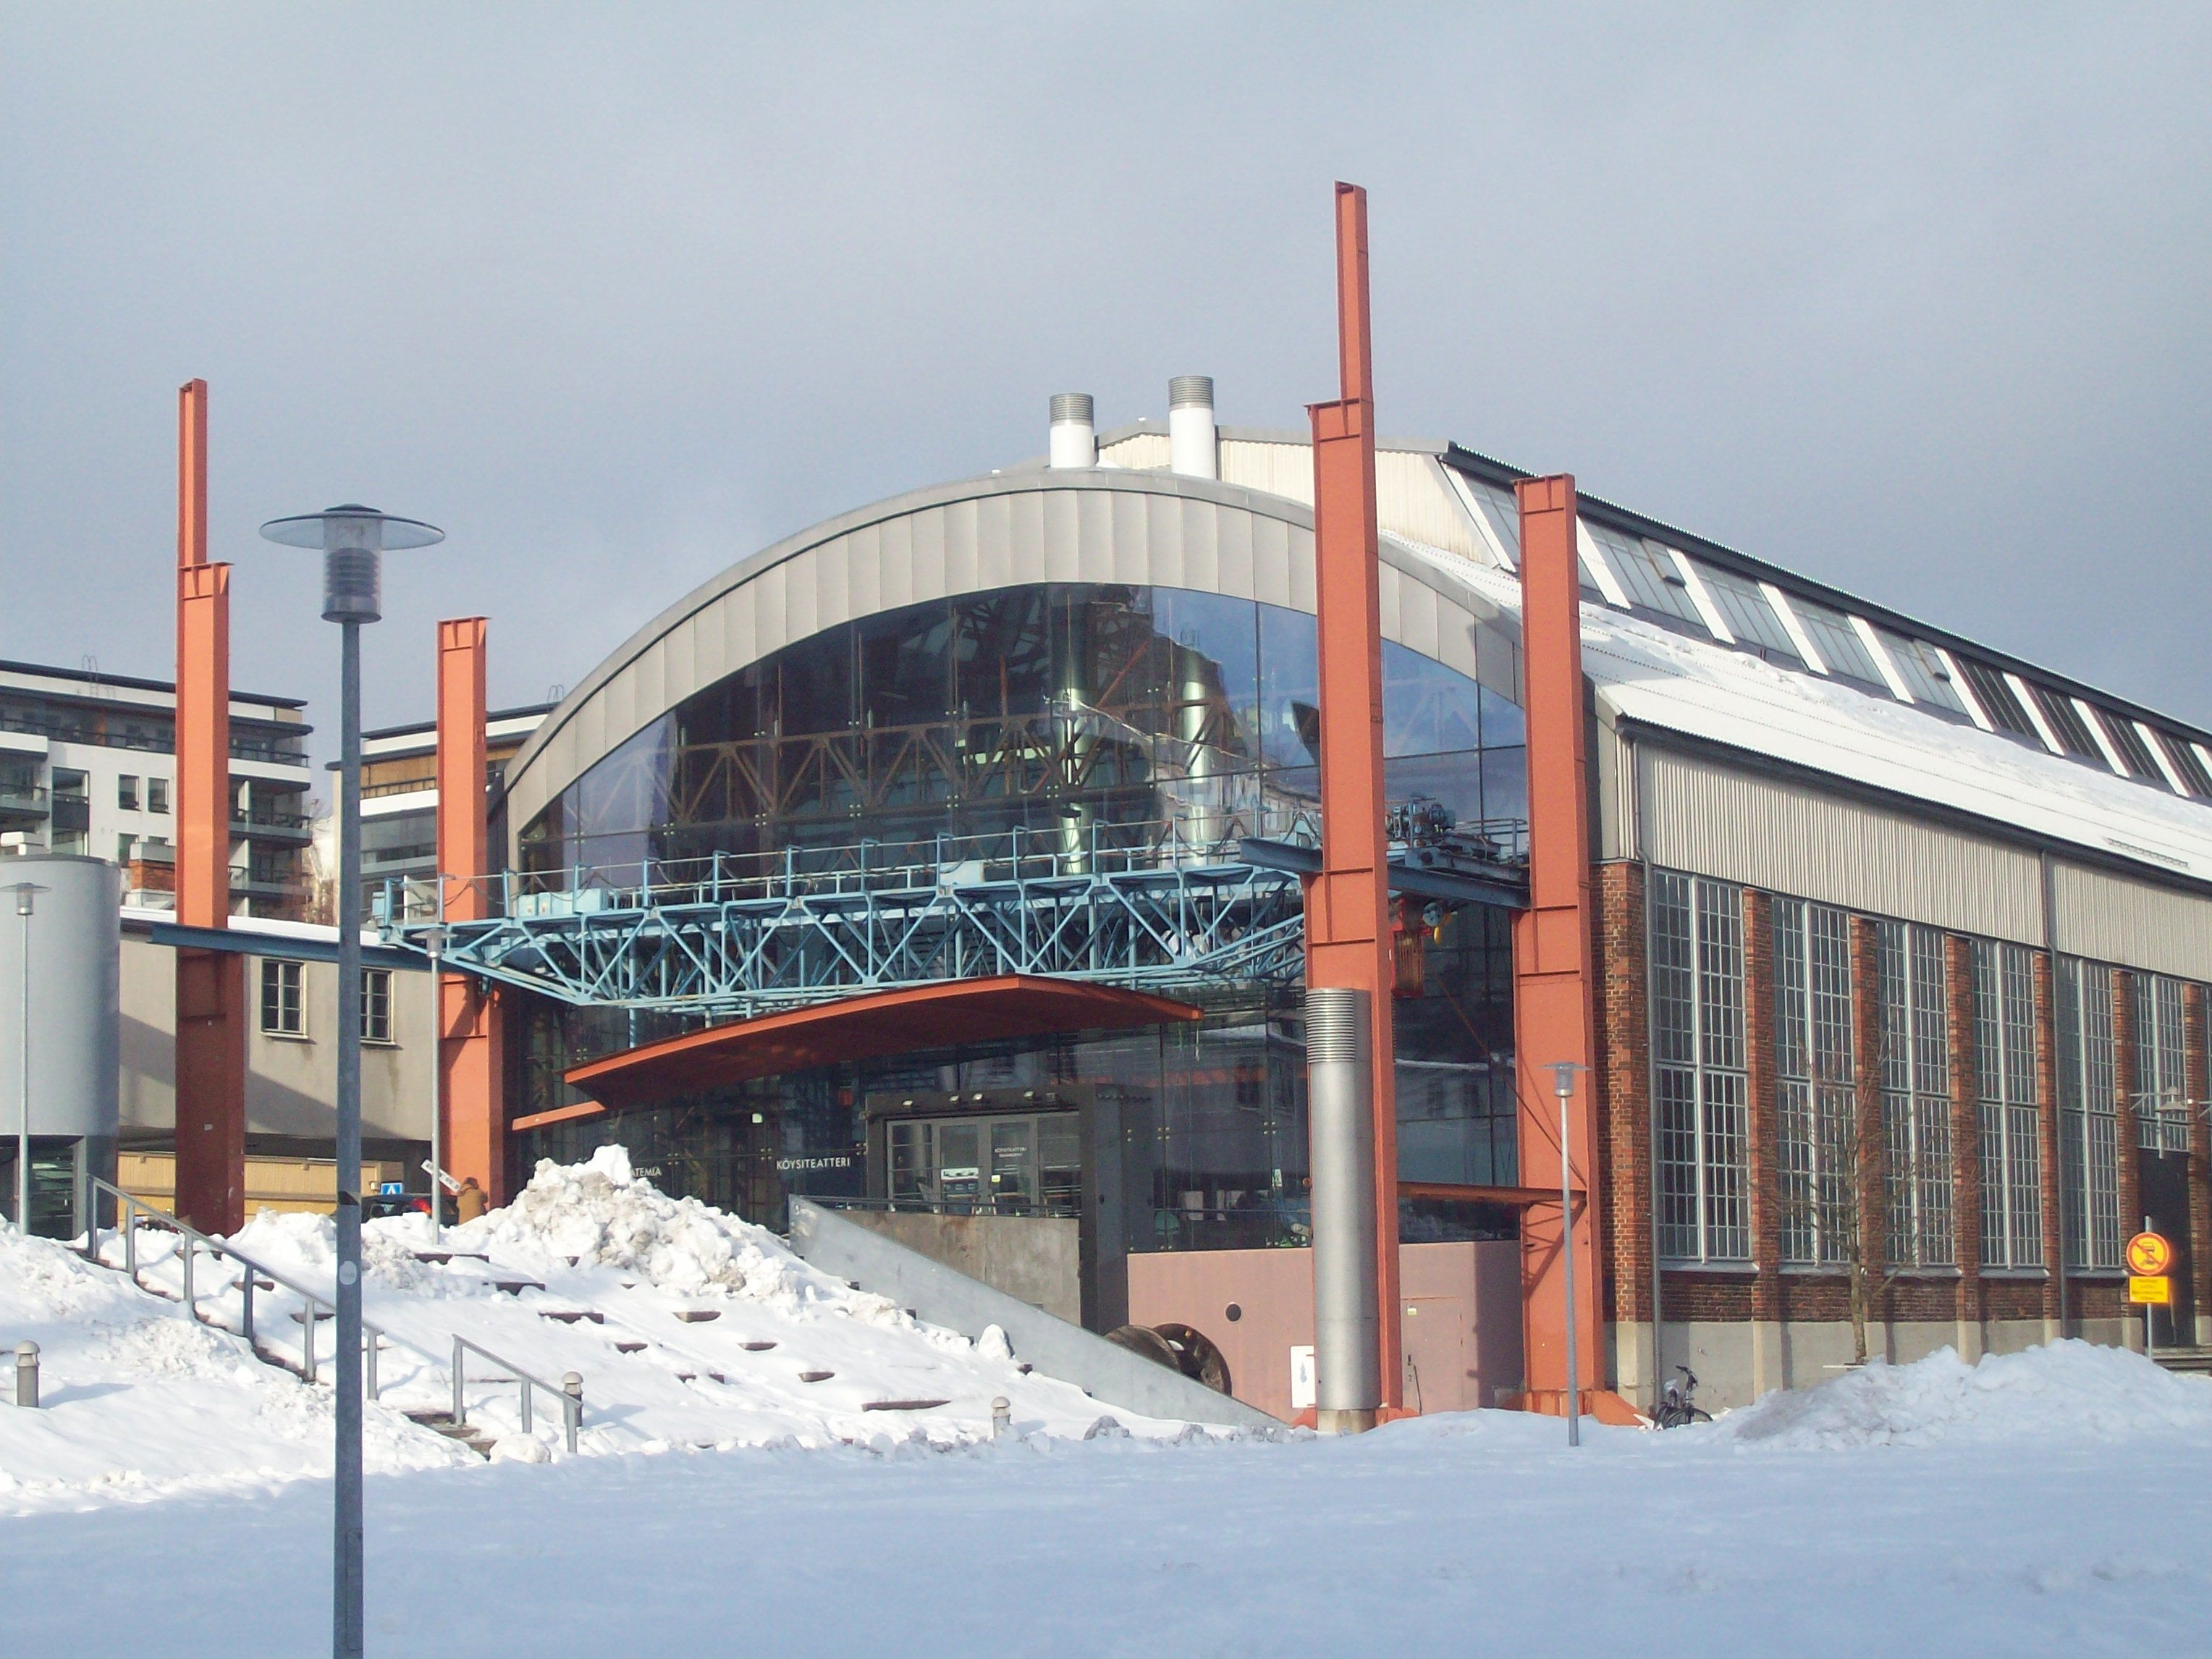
x=1715 y=820
x=2111 y=919
x=1705 y=816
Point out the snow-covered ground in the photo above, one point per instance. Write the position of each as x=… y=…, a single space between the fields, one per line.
x=688 y=1326
x=2051 y=1502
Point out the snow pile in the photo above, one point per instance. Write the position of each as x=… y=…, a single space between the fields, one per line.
x=138 y=1401
x=2065 y=1390
x=598 y=1214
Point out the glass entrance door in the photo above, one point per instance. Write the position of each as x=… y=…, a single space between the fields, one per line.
x=1025 y=1165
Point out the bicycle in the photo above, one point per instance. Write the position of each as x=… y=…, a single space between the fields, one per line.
x=1676 y=1408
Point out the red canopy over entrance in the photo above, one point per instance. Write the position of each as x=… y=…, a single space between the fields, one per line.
x=865 y=1027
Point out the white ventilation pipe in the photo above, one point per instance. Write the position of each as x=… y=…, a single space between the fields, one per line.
x=1074 y=438
x=1191 y=449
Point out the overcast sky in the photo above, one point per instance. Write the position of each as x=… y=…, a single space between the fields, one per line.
x=1916 y=300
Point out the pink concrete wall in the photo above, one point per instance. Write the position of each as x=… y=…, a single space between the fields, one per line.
x=1460 y=1305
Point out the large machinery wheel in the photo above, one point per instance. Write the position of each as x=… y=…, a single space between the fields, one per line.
x=1180 y=1348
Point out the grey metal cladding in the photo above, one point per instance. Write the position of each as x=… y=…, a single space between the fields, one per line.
x=1703 y=816
x=2133 y=924
x=1102 y=525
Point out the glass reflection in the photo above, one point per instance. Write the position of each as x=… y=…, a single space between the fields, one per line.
x=1081 y=709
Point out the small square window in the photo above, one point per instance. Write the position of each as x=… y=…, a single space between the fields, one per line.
x=126 y=792
x=157 y=794
x=376 y=1004
x=282 y=1013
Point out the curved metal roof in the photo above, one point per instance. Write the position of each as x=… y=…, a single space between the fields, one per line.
x=1099 y=525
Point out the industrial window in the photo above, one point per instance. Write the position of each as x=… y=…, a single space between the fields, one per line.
x=283 y=1014
x=157 y=794
x=1502 y=510
x=1817 y=1119
x=1997 y=701
x=2134 y=755
x=126 y=792
x=2162 y=1087
x=1920 y=666
x=2067 y=724
x=1750 y=615
x=1915 y=1094
x=2004 y=1065
x=376 y=1004
x=2194 y=776
x=1697 y=992
x=1842 y=651
x=2088 y=1114
x=1647 y=575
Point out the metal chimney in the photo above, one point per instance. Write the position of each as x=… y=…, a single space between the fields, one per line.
x=1074 y=438
x=1192 y=450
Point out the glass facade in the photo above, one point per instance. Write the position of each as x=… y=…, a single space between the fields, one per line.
x=1081 y=715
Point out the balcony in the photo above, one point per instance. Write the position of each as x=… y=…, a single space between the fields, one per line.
x=72 y=815
x=272 y=824
x=22 y=802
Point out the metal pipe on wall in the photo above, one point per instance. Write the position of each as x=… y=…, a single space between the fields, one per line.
x=1340 y=1119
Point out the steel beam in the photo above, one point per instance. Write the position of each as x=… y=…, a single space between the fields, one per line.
x=469 y=1018
x=210 y=1062
x=1348 y=941
x=1553 y=1010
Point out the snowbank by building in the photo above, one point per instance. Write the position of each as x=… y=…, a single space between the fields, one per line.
x=2066 y=1391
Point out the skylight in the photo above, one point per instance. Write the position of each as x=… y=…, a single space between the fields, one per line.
x=1997 y=701
x=1647 y=575
x=1924 y=675
x=1743 y=606
x=2134 y=754
x=2067 y=724
x=1841 y=648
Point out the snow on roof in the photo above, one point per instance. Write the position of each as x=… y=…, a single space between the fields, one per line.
x=1648 y=674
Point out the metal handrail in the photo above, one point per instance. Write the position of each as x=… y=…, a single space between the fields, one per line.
x=572 y=1403
x=193 y=1237
x=569 y=1397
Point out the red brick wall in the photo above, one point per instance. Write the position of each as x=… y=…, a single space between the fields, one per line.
x=1624 y=1074
x=1764 y=1136
x=2125 y=1083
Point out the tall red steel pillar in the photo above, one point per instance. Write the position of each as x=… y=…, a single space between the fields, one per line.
x=470 y=1053
x=210 y=1055
x=1348 y=941
x=1554 y=1012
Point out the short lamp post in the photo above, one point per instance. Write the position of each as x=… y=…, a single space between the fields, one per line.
x=26 y=893
x=1563 y=1084
x=353 y=540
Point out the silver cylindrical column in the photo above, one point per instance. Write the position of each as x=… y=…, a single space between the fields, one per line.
x=1339 y=1112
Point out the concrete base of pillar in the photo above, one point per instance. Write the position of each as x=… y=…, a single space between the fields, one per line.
x=1330 y=1420
x=1766 y=1374
x=1969 y=1343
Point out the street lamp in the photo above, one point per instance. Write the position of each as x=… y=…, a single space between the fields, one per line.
x=1563 y=1084
x=353 y=540
x=26 y=893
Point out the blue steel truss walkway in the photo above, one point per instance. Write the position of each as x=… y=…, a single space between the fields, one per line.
x=737 y=935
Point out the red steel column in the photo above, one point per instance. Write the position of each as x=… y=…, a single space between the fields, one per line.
x=1554 y=1014
x=1348 y=940
x=210 y=1062
x=470 y=1048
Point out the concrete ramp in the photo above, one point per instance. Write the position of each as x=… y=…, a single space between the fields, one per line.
x=1110 y=1375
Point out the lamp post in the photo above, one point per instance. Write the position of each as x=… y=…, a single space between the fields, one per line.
x=1563 y=1084
x=353 y=540
x=26 y=893
x=437 y=943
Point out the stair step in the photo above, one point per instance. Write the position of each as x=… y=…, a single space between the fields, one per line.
x=570 y=1315
x=629 y=1348
x=904 y=1405
x=516 y=1287
x=466 y=1434
x=698 y=1315
x=756 y=1347
x=441 y=1257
